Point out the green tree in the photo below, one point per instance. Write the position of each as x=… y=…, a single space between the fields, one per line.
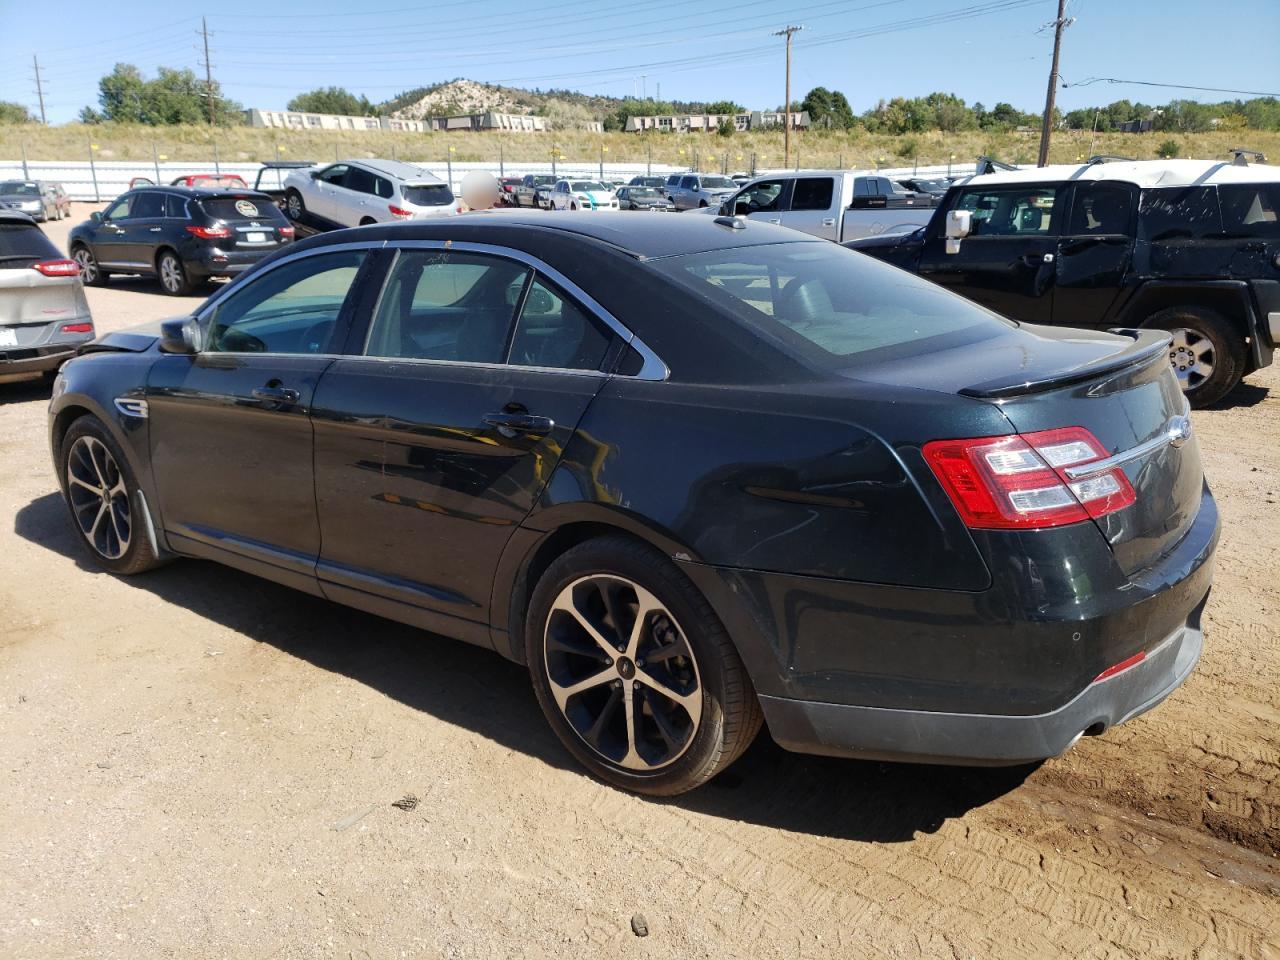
x=333 y=100
x=1168 y=150
x=172 y=97
x=726 y=128
x=725 y=106
x=14 y=113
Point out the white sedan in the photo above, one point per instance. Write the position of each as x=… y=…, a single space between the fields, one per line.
x=582 y=195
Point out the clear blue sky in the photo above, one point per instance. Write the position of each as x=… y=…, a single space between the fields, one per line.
x=263 y=53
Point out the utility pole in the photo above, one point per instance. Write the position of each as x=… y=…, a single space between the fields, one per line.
x=786 y=107
x=35 y=62
x=1046 y=125
x=644 y=87
x=208 y=69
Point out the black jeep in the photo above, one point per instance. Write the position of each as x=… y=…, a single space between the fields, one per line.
x=1188 y=246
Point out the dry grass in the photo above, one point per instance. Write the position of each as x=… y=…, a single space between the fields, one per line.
x=815 y=149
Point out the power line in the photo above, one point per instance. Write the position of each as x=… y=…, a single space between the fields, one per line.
x=1172 y=86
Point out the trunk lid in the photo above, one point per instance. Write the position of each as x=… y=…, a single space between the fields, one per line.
x=1118 y=387
x=255 y=221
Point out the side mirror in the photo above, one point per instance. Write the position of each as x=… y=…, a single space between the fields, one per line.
x=959 y=224
x=96 y=216
x=181 y=335
x=315 y=174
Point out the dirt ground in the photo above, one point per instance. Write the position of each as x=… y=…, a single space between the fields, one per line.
x=197 y=763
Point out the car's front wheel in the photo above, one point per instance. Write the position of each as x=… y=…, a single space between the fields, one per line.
x=91 y=274
x=103 y=497
x=633 y=670
x=173 y=275
x=1207 y=353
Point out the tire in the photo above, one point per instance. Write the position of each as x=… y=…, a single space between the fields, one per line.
x=294 y=208
x=699 y=688
x=91 y=274
x=172 y=274
x=113 y=531
x=1208 y=353
x=573 y=207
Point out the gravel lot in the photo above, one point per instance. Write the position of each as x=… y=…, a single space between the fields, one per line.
x=197 y=763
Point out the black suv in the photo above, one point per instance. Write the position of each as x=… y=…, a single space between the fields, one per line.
x=1187 y=246
x=180 y=235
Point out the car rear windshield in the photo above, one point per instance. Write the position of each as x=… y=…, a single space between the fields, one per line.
x=428 y=194
x=22 y=244
x=830 y=305
x=17 y=188
x=240 y=208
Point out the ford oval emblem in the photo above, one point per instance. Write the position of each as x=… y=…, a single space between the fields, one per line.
x=1179 y=430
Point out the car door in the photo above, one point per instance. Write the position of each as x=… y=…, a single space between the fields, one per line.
x=1007 y=261
x=326 y=196
x=356 y=195
x=110 y=244
x=143 y=230
x=812 y=207
x=1094 y=252
x=230 y=427
x=435 y=436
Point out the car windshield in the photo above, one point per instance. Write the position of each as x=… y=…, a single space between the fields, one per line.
x=427 y=194
x=18 y=188
x=585 y=185
x=831 y=305
x=718 y=183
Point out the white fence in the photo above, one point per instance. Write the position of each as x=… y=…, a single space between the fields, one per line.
x=104 y=180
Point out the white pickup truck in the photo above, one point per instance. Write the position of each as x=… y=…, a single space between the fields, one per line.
x=836 y=205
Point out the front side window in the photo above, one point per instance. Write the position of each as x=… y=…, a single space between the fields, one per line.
x=812 y=193
x=291 y=309
x=555 y=332
x=762 y=197
x=1099 y=209
x=438 y=305
x=334 y=175
x=830 y=307
x=1009 y=211
x=118 y=210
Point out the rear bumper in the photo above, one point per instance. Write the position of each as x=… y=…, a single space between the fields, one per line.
x=213 y=262
x=922 y=736
x=19 y=364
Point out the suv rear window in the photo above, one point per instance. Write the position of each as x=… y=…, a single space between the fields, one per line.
x=240 y=208
x=428 y=194
x=1251 y=210
x=22 y=244
x=830 y=307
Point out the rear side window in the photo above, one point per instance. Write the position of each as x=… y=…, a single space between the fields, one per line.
x=175 y=206
x=428 y=195
x=554 y=332
x=240 y=208
x=446 y=306
x=830 y=306
x=22 y=244
x=812 y=193
x=382 y=187
x=148 y=205
x=1009 y=211
x=1250 y=210
x=1175 y=213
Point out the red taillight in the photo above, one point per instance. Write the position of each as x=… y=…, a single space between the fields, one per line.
x=286 y=231
x=57 y=268
x=1020 y=481
x=77 y=328
x=1122 y=666
x=400 y=213
x=209 y=233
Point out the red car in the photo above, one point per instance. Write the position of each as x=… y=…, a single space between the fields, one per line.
x=211 y=181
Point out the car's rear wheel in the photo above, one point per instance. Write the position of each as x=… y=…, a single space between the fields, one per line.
x=91 y=274
x=1207 y=353
x=103 y=497
x=633 y=670
x=173 y=275
x=294 y=208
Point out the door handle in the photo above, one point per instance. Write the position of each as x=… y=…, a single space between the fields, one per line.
x=1035 y=259
x=276 y=394
x=775 y=220
x=156 y=229
x=829 y=222
x=510 y=424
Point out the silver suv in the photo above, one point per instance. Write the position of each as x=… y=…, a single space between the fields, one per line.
x=43 y=312
x=694 y=190
x=353 y=193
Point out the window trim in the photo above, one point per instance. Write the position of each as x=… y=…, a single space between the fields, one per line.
x=651 y=368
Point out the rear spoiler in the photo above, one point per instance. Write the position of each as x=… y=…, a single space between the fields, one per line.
x=1149 y=346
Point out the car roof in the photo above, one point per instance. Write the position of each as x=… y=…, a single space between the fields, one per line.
x=648 y=239
x=1143 y=173
x=397 y=169
x=199 y=193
